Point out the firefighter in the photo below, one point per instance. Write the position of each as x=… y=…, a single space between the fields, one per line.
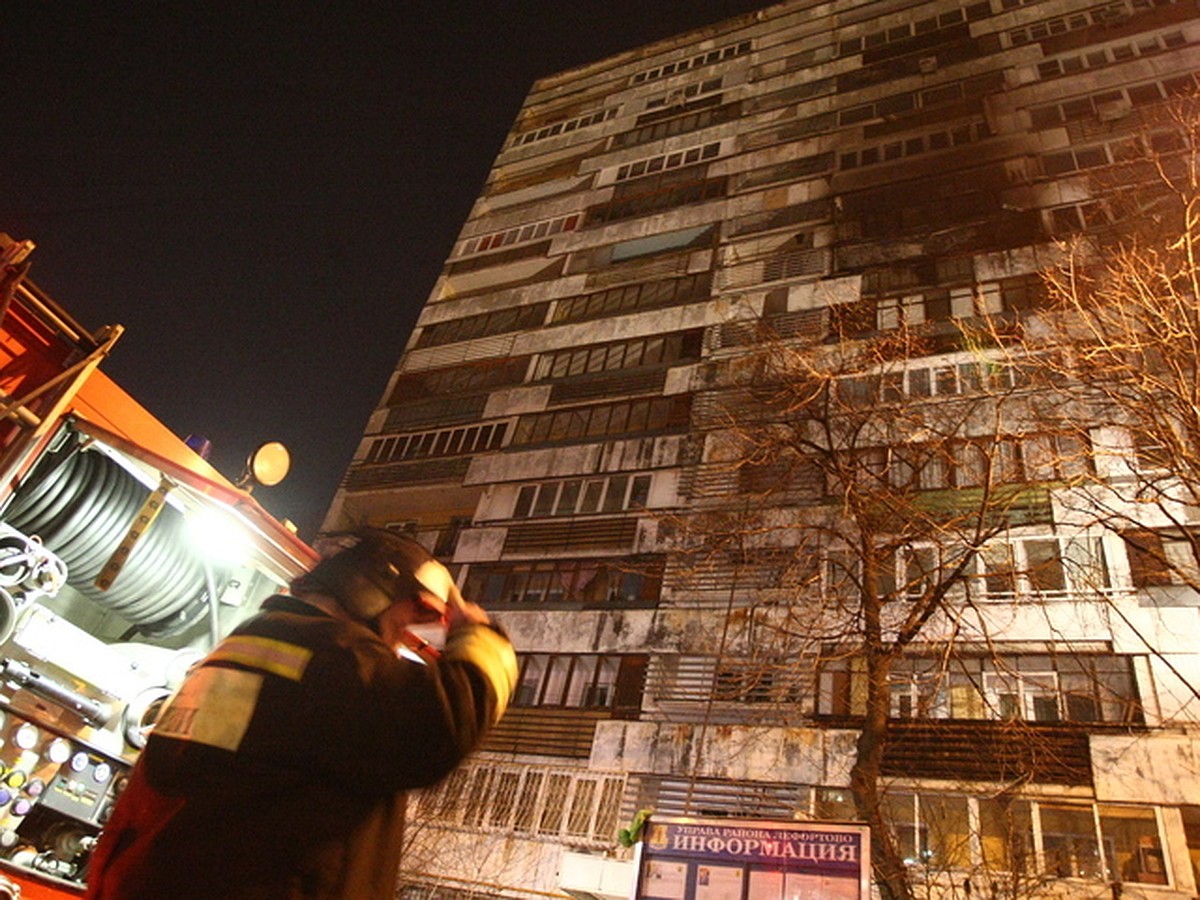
x=278 y=769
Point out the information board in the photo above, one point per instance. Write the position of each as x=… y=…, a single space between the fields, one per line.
x=683 y=858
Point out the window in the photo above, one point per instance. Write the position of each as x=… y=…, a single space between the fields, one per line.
x=473 y=813
x=1102 y=56
x=930 y=829
x=544 y=505
x=1037 y=31
x=527 y=801
x=585 y=681
x=1030 y=687
x=835 y=694
x=1191 y=830
x=1030 y=694
x=565 y=126
x=581 y=810
x=1006 y=834
x=1152 y=451
x=666 y=161
x=447 y=442
x=1050 y=565
x=904 y=31
x=468 y=328
x=667 y=242
x=628 y=298
x=687 y=92
x=529 y=685
x=448 y=801
x=900 y=811
x=503 y=797
x=662 y=349
x=590 y=583
x=657 y=193
x=1112 y=152
x=1069 y=842
x=519 y=234
x=1148 y=566
x=918 y=690
x=947 y=463
x=908 y=571
x=704 y=59
x=630 y=417
x=524 y=504
x=697 y=115
x=456 y=380
x=950 y=832
x=1078 y=217
x=836 y=804
x=926 y=381
x=1132 y=848
x=551 y=820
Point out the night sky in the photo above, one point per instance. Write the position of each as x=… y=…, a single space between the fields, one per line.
x=263 y=194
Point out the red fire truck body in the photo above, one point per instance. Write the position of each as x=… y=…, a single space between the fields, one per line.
x=110 y=588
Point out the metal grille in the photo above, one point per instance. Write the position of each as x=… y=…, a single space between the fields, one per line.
x=452 y=354
x=439 y=411
x=581 y=805
x=608 y=385
x=809 y=323
x=794 y=264
x=567 y=535
x=407 y=473
x=658 y=267
x=727 y=690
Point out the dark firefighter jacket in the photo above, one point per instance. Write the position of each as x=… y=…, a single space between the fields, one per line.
x=278 y=769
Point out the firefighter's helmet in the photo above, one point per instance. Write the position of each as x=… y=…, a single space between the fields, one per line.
x=377 y=569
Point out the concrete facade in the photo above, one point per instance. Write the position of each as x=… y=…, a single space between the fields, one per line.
x=558 y=410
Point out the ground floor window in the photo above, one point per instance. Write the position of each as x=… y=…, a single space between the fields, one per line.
x=583 y=805
x=1028 y=838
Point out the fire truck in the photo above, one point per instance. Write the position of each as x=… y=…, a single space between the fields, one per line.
x=124 y=556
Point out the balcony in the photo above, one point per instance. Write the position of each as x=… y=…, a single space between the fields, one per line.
x=983 y=750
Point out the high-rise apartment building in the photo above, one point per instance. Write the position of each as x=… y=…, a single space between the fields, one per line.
x=569 y=427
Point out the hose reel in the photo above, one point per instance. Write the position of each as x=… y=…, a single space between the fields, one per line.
x=81 y=503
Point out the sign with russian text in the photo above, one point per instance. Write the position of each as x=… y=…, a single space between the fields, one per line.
x=752 y=859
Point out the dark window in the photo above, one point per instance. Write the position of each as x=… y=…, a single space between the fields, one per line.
x=471 y=327
x=1022 y=292
x=630 y=684
x=652 y=414
x=706 y=113
x=852 y=319
x=578 y=681
x=650 y=351
x=647 y=295
x=896 y=104
x=589 y=583
x=1148 y=566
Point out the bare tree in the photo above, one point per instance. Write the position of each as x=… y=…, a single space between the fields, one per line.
x=1124 y=326
x=443 y=859
x=1117 y=351
x=875 y=506
x=882 y=507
